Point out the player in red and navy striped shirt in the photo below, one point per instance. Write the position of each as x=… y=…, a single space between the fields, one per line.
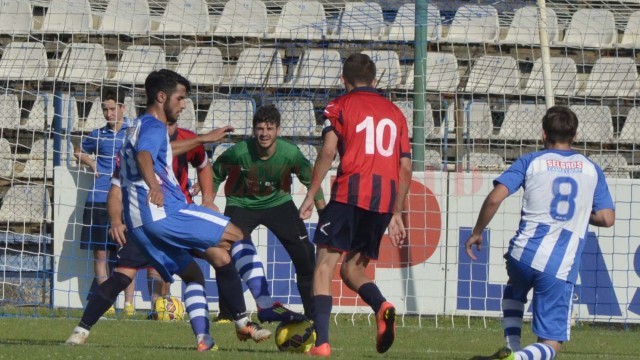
x=197 y=157
x=371 y=135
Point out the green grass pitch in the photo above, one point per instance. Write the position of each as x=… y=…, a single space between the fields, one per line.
x=457 y=338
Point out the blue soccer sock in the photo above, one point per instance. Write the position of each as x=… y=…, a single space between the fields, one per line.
x=537 y=351
x=512 y=311
x=322 y=305
x=197 y=308
x=249 y=266
x=371 y=294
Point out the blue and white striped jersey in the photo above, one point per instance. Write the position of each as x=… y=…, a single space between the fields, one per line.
x=561 y=189
x=148 y=134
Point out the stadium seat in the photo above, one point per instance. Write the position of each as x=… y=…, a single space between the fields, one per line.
x=360 y=21
x=432 y=160
x=258 y=67
x=407 y=110
x=24 y=61
x=38 y=151
x=184 y=17
x=524 y=28
x=9 y=112
x=5 y=149
x=130 y=110
x=235 y=112
x=26 y=203
x=188 y=118
x=403 y=27
x=631 y=36
x=41 y=114
x=522 y=122
x=201 y=65
x=494 y=75
x=243 y=18
x=301 y=20
x=68 y=16
x=219 y=149
x=591 y=28
x=595 y=123
x=82 y=63
x=309 y=151
x=563 y=77
x=483 y=161
x=612 y=77
x=6 y=168
x=477 y=123
x=474 y=24
x=137 y=61
x=613 y=165
x=298 y=118
x=388 y=73
x=39 y=166
x=442 y=73
x=630 y=133
x=128 y=17
x=318 y=68
x=16 y=17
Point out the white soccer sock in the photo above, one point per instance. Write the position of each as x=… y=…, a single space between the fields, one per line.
x=537 y=351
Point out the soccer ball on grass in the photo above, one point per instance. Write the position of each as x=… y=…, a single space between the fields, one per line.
x=295 y=337
x=168 y=308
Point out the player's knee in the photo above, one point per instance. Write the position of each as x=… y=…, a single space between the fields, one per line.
x=232 y=233
x=217 y=257
x=192 y=273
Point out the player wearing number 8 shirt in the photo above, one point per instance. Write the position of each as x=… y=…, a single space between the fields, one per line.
x=370 y=133
x=564 y=192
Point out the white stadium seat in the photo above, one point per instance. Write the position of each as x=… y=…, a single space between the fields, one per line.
x=591 y=28
x=188 y=118
x=5 y=149
x=26 y=203
x=37 y=167
x=258 y=67
x=301 y=20
x=137 y=61
x=407 y=110
x=68 y=16
x=524 y=28
x=297 y=118
x=613 y=76
x=564 y=76
x=84 y=63
x=613 y=165
x=388 y=73
x=403 y=27
x=243 y=18
x=522 y=122
x=442 y=73
x=219 y=149
x=360 y=21
x=42 y=113
x=16 y=17
x=477 y=123
x=318 y=68
x=631 y=36
x=235 y=112
x=483 y=161
x=201 y=65
x=24 y=61
x=130 y=17
x=595 y=123
x=184 y=17
x=494 y=75
x=630 y=133
x=9 y=112
x=474 y=24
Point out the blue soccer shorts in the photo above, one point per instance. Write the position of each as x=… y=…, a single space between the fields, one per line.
x=551 y=303
x=167 y=242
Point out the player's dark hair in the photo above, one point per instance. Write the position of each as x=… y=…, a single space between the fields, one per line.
x=359 y=69
x=560 y=124
x=267 y=113
x=115 y=94
x=163 y=80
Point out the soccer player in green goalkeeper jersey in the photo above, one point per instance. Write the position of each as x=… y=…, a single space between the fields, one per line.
x=258 y=190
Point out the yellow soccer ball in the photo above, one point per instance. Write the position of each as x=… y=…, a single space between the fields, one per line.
x=295 y=337
x=168 y=308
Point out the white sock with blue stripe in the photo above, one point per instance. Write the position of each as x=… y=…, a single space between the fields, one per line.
x=197 y=308
x=512 y=311
x=249 y=266
x=537 y=351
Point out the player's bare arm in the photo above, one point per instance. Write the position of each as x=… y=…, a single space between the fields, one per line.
x=397 y=231
x=114 y=206
x=180 y=147
x=603 y=218
x=205 y=184
x=487 y=212
x=322 y=166
x=145 y=165
x=87 y=160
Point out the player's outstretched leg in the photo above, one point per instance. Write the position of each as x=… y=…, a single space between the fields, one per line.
x=537 y=351
x=101 y=301
x=513 y=312
x=196 y=305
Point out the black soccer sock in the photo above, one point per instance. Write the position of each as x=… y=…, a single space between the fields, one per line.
x=322 y=305
x=370 y=294
x=230 y=290
x=103 y=298
x=305 y=287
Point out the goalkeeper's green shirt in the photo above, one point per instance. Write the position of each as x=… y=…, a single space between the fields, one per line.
x=255 y=184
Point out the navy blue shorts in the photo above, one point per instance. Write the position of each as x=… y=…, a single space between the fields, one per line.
x=348 y=228
x=130 y=256
x=95 y=228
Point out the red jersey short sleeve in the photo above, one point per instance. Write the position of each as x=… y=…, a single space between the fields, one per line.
x=197 y=157
x=372 y=137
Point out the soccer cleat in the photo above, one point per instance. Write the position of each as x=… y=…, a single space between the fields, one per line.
x=502 y=354
x=207 y=344
x=253 y=331
x=111 y=311
x=129 y=310
x=386 y=321
x=323 y=350
x=77 y=337
x=222 y=319
x=279 y=313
